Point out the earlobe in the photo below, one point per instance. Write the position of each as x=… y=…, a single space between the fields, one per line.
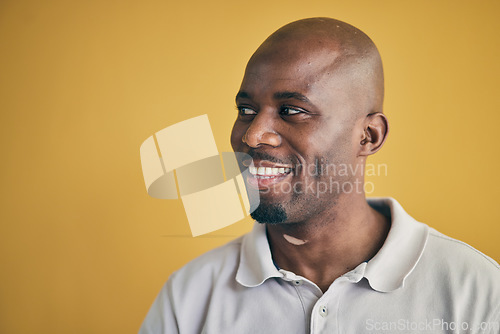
x=376 y=128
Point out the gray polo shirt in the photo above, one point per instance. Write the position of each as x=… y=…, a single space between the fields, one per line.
x=420 y=281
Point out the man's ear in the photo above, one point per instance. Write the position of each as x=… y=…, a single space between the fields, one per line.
x=376 y=128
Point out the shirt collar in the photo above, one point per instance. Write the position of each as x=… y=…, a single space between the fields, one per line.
x=401 y=251
x=256 y=262
x=385 y=272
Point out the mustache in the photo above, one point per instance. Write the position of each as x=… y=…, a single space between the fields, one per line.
x=257 y=155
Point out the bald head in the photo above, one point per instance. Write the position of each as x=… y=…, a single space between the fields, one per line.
x=342 y=51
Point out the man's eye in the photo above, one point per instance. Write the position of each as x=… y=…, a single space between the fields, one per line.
x=287 y=111
x=246 y=111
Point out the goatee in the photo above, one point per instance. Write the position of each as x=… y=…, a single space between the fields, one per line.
x=269 y=214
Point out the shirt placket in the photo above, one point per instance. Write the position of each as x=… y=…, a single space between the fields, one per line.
x=307 y=292
x=325 y=313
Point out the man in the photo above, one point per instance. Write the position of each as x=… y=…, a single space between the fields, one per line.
x=323 y=259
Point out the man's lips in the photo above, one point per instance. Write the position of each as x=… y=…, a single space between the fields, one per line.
x=264 y=174
x=267 y=172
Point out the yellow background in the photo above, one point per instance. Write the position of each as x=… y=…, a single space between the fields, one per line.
x=83 y=249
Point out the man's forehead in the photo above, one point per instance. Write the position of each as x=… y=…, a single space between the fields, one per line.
x=296 y=51
x=291 y=72
x=286 y=74
x=257 y=84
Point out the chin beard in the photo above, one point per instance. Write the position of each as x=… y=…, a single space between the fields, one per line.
x=269 y=214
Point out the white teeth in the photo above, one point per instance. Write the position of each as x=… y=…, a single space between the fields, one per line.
x=268 y=171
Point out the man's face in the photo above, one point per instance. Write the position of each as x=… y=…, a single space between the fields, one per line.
x=296 y=119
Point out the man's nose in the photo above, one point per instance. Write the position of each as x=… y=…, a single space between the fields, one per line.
x=262 y=131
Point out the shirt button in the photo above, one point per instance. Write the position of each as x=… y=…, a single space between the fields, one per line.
x=323 y=311
x=297 y=283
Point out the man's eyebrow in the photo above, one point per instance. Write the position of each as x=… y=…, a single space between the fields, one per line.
x=291 y=95
x=242 y=95
x=278 y=96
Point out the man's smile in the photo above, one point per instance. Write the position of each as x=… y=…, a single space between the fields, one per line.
x=264 y=174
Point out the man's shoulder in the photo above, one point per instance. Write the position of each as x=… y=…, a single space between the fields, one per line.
x=454 y=266
x=222 y=260
x=453 y=271
x=185 y=298
x=458 y=253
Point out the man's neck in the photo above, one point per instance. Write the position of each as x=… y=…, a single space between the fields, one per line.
x=329 y=246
